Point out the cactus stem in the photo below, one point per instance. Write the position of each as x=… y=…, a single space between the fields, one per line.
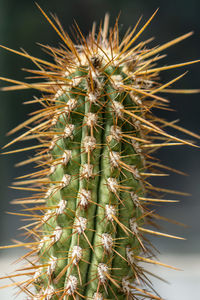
x=93 y=198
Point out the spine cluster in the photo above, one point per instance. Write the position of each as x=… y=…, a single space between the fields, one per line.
x=97 y=133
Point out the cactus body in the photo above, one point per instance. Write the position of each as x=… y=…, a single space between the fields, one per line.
x=95 y=182
x=96 y=131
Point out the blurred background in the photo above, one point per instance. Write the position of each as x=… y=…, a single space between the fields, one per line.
x=23 y=26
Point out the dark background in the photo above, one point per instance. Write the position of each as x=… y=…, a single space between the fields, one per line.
x=22 y=25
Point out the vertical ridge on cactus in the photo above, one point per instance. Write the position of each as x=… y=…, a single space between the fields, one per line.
x=92 y=199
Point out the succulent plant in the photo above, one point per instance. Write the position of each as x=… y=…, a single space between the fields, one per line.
x=97 y=132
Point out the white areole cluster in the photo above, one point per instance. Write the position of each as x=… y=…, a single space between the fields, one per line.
x=91 y=119
x=71 y=285
x=114 y=158
x=117 y=80
x=65 y=180
x=107 y=242
x=67 y=155
x=68 y=131
x=87 y=171
x=102 y=271
x=47 y=216
x=61 y=207
x=118 y=108
x=92 y=97
x=89 y=143
x=133 y=225
x=110 y=212
x=112 y=184
x=85 y=197
x=80 y=224
x=97 y=296
x=130 y=255
x=57 y=234
x=135 y=199
x=77 y=253
x=116 y=133
x=127 y=286
x=49 y=292
x=70 y=105
x=135 y=172
x=52 y=265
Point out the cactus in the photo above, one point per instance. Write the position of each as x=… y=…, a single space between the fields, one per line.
x=92 y=199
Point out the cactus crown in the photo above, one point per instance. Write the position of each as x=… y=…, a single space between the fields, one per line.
x=97 y=134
